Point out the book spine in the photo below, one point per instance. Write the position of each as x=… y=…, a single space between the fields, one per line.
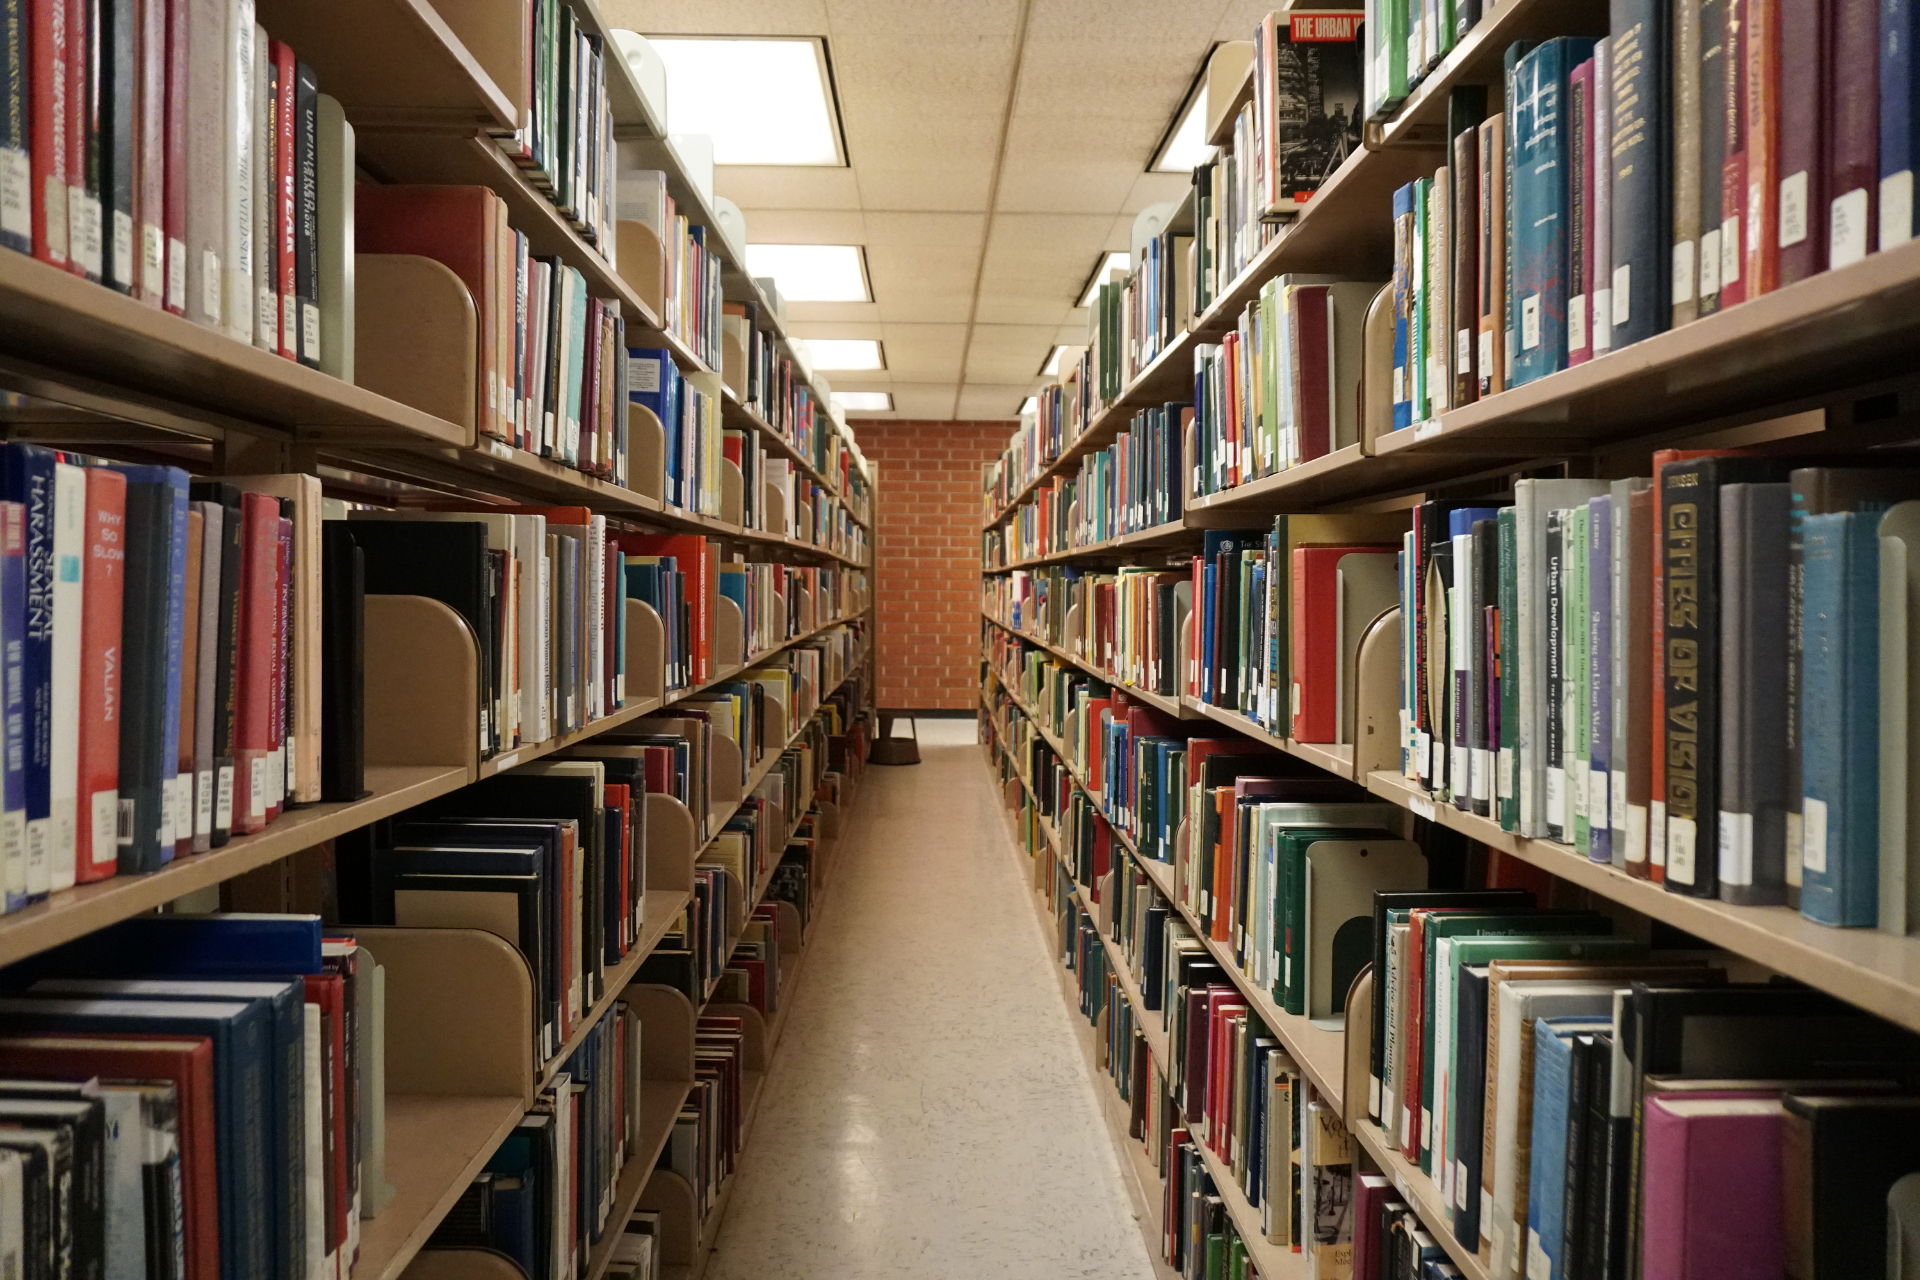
x=207 y=668
x=1761 y=272
x=254 y=678
x=1688 y=538
x=1600 y=278
x=1753 y=559
x=1802 y=109
x=1600 y=612
x=1684 y=143
x=83 y=141
x=1467 y=193
x=118 y=22
x=69 y=554
x=151 y=163
x=1713 y=128
x=1642 y=237
x=46 y=131
x=16 y=162
x=1558 y=825
x=1839 y=720
x=283 y=200
x=1639 y=578
x=1733 y=150
x=1540 y=214
x=306 y=195
x=227 y=669
x=181 y=74
x=238 y=262
x=1899 y=121
x=1853 y=131
x=174 y=617
x=13 y=774
x=203 y=33
x=266 y=138
x=1579 y=184
x=30 y=484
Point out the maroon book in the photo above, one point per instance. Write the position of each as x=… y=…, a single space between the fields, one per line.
x=1802 y=144
x=1853 y=130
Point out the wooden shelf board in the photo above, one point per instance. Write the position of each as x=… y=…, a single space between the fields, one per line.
x=435 y=1147
x=1417 y=1189
x=660 y=1102
x=1274 y=1261
x=1832 y=331
x=1158 y=701
x=661 y=906
x=99 y=354
x=73 y=913
x=1170 y=533
x=1875 y=970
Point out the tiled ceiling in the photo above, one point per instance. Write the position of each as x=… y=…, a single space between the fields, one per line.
x=996 y=148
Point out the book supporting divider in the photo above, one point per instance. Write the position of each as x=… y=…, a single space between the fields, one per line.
x=729 y=777
x=773 y=502
x=422 y=684
x=462 y=1264
x=730 y=634
x=733 y=493
x=1376 y=697
x=642 y=263
x=672 y=843
x=646 y=453
x=646 y=653
x=416 y=336
x=668 y=1195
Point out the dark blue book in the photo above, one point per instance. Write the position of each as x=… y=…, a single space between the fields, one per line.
x=1641 y=98
x=242 y=1036
x=1541 y=219
x=1840 y=719
x=13 y=771
x=1470 y=1075
x=230 y=945
x=152 y=635
x=1547 y=1173
x=1899 y=120
x=285 y=1105
x=26 y=477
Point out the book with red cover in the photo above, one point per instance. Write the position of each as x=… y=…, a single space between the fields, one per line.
x=284 y=256
x=455 y=226
x=691 y=551
x=1311 y=334
x=259 y=609
x=82 y=141
x=1733 y=153
x=96 y=852
x=184 y=1061
x=1853 y=131
x=174 y=222
x=328 y=990
x=47 y=129
x=1712 y=1188
x=1802 y=144
x=1315 y=630
x=277 y=789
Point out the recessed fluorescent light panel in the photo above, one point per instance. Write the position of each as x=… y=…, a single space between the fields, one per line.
x=813 y=272
x=864 y=401
x=762 y=101
x=1186 y=142
x=1108 y=264
x=841 y=354
x=1052 y=367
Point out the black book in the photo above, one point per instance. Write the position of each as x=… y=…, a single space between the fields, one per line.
x=1640 y=98
x=1842 y=1156
x=1690 y=555
x=343 y=643
x=1582 y=1050
x=1493 y=900
x=226 y=670
x=1591 y=1260
x=81 y=1199
x=306 y=220
x=674 y=968
x=444 y=561
x=143 y=671
x=1471 y=1100
x=117 y=69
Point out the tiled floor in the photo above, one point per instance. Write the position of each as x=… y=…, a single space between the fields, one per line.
x=929 y=1115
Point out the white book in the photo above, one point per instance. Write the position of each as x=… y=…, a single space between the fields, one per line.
x=239 y=299
x=314 y=1136
x=13 y=1211
x=1532 y=500
x=206 y=663
x=195 y=269
x=326 y=323
x=1899 y=750
x=69 y=592
x=266 y=283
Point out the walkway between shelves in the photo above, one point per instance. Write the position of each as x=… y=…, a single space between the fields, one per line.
x=929 y=1115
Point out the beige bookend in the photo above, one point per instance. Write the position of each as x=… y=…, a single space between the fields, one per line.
x=462 y=1264
x=643 y=263
x=1376 y=738
x=459 y=1013
x=733 y=362
x=729 y=635
x=670 y=844
x=416 y=336
x=667 y=1025
x=646 y=654
x=1359 y=1040
x=646 y=453
x=1899 y=723
x=753 y=1053
x=773 y=508
x=422 y=684
x=728 y=777
x=1376 y=384
x=732 y=492
x=668 y=1195
x=791 y=930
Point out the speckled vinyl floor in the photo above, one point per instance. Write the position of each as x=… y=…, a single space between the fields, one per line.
x=929 y=1115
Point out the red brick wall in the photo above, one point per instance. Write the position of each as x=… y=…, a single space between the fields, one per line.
x=928 y=587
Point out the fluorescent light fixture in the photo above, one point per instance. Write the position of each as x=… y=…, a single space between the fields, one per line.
x=1030 y=405
x=839 y=354
x=864 y=401
x=1108 y=264
x=813 y=272
x=1186 y=142
x=761 y=100
x=1051 y=369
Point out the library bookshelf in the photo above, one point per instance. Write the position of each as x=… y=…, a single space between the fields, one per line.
x=1813 y=367
x=430 y=90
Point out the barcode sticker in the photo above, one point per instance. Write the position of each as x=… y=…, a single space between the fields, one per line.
x=1682 y=273
x=1813 y=835
x=1736 y=848
x=176 y=275
x=203 y=803
x=257 y=787
x=506 y=762
x=310 y=332
x=1530 y=322
x=223 y=798
x=1602 y=309
x=1847 y=240
x=210 y=307
x=16 y=193
x=1793 y=208
x=105 y=817
x=123 y=824
x=1730 y=249
x=1896 y=209
x=123 y=248
x=1577 y=321
x=1622 y=293
x=1486 y=354
x=1681 y=834
x=1710 y=263
x=1463 y=351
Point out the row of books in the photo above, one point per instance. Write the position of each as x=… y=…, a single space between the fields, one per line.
x=694 y=308
x=1651 y=695
x=565 y=145
x=189 y=161
x=190 y=1096
x=1132 y=484
x=1575 y=1095
x=769 y=385
x=1620 y=212
x=546 y=1193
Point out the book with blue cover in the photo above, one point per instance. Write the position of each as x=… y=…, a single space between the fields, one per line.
x=1899 y=120
x=229 y=945
x=1542 y=144
x=654 y=381
x=153 y=636
x=242 y=1035
x=1840 y=718
x=1641 y=202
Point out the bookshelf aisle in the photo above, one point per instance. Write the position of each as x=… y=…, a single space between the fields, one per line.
x=1460 y=721
x=439 y=616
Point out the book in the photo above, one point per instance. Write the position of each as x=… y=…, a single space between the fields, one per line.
x=1752 y=838
x=1837 y=1168
x=1713 y=1187
x=1853 y=132
x=96 y=841
x=1642 y=200
x=149 y=707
